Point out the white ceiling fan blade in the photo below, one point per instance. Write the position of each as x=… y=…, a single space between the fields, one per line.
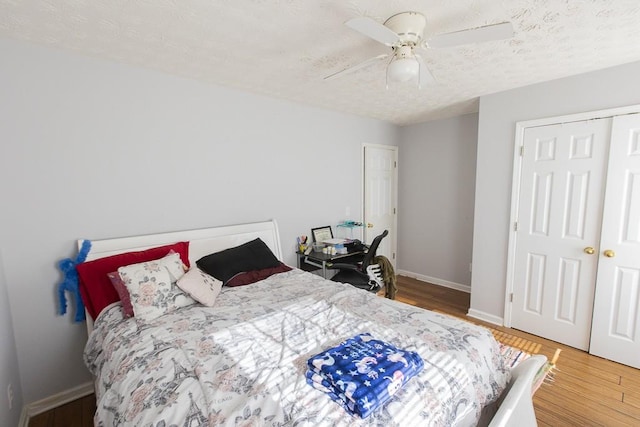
x=373 y=29
x=424 y=77
x=356 y=67
x=487 y=33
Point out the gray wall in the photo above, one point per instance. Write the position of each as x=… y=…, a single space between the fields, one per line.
x=8 y=359
x=610 y=88
x=436 y=198
x=93 y=149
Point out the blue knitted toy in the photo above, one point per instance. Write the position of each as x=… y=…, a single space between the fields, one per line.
x=70 y=282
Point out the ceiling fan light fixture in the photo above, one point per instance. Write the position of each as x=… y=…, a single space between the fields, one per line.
x=404 y=34
x=403 y=69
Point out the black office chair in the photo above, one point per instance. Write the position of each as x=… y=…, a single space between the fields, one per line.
x=357 y=275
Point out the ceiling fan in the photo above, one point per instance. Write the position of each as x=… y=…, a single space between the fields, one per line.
x=404 y=33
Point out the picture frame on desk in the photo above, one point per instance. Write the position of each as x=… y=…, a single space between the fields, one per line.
x=322 y=233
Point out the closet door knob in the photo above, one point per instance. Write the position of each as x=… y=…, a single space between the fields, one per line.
x=589 y=250
x=609 y=253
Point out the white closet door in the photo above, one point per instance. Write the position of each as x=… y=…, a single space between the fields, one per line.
x=616 y=319
x=559 y=216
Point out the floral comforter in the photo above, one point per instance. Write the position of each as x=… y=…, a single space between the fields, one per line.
x=243 y=361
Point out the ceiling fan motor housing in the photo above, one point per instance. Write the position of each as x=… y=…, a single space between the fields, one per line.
x=403 y=51
x=409 y=26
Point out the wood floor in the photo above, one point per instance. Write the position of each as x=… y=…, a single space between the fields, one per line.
x=588 y=390
x=78 y=413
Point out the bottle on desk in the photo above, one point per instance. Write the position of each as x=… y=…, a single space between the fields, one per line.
x=329 y=250
x=341 y=249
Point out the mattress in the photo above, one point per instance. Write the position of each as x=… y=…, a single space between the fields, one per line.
x=243 y=361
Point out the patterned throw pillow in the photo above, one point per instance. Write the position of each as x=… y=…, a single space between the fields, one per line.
x=152 y=287
x=202 y=287
x=95 y=286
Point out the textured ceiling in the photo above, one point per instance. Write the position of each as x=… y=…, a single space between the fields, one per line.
x=284 y=48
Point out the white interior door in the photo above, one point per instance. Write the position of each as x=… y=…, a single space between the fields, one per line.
x=616 y=318
x=380 y=196
x=559 y=218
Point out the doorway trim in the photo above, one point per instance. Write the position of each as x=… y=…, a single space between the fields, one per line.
x=515 y=182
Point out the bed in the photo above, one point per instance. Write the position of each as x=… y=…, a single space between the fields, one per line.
x=242 y=360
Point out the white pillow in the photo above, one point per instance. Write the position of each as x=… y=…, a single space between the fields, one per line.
x=201 y=286
x=152 y=287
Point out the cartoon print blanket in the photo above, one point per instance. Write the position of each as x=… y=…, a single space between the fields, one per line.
x=362 y=373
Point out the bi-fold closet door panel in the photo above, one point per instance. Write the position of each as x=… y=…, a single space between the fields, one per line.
x=559 y=215
x=577 y=255
x=616 y=312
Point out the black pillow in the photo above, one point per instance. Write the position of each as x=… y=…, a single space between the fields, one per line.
x=223 y=265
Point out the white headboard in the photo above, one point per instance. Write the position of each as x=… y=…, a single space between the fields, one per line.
x=201 y=242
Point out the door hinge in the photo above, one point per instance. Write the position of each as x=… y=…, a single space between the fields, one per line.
x=511 y=297
x=394 y=211
x=395 y=164
x=394 y=255
x=515 y=226
x=521 y=150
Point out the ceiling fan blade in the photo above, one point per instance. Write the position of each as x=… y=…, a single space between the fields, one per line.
x=424 y=77
x=487 y=33
x=356 y=67
x=373 y=29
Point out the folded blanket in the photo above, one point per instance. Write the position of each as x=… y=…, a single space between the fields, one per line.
x=362 y=373
x=316 y=381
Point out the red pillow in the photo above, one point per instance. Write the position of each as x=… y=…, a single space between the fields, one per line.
x=250 y=277
x=96 y=288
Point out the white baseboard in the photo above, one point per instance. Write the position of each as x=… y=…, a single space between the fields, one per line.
x=24 y=418
x=435 y=281
x=476 y=314
x=490 y=318
x=51 y=402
